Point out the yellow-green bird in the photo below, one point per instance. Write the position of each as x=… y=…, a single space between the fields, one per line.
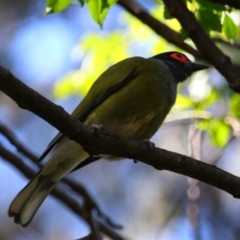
x=130 y=99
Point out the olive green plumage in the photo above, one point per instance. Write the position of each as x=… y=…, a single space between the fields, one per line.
x=135 y=111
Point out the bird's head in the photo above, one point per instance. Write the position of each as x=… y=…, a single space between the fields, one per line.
x=180 y=65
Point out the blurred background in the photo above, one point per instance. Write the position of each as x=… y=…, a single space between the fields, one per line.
x=60 y=56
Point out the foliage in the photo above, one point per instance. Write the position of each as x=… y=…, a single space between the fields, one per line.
x=102 y=51
x=97 y=8
x=217 y=129
x=234 y=104
x=99 y=50
x=229 y=27
x=54 y=6
x=210 y=16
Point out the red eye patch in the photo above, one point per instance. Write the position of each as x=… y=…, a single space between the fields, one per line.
x=180 y=57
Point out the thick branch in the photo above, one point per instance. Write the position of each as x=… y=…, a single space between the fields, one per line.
x=161 y=29
x=103 y=143
x=204 y=44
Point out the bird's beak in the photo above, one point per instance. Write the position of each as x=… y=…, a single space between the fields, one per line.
x=196 y=66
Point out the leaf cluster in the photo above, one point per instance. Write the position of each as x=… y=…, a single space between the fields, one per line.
x=97 y=8
x=104 y=49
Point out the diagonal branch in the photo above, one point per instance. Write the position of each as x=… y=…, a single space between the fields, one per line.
x=204 y=44
x=4 y=130
x=89 y=203
x=104 y=143
x=159 y=28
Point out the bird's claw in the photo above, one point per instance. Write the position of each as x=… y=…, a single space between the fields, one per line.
x=151 y=145
x=97 y=128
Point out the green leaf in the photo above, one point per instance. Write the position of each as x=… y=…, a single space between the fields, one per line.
x=98 y=51
x=99 y=9
x=210 y=5
x=229 y=27
x=217 y=130
x=166 y=13
x=111 y=2
x=82 y=2
x=234 y=104
x=211 y=99
x=184 y=101
x=209 y=20
x=57 y=5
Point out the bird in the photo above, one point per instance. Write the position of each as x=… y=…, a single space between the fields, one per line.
x=130 y=99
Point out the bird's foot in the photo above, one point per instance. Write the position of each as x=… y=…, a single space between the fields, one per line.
x=95 y=128
x=151 y=145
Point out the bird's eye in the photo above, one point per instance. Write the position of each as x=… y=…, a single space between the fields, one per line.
x=180 y=57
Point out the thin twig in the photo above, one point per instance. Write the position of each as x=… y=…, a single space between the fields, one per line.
x=59 y=191
x=90 y=204
x=12 y=138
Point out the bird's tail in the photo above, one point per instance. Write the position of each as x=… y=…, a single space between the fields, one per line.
x=27 y=202
x=64 y=158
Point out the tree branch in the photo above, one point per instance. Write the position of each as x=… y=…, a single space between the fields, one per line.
x=60 y=193
x=103 y=143
x=12 y=138
x=159 y=28
x=204 y=44
x=89 y=204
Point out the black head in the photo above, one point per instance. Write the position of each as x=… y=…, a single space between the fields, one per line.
x=179 y=64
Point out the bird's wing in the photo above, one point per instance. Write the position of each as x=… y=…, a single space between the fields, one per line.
x=86 y=106
x=103 y=96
